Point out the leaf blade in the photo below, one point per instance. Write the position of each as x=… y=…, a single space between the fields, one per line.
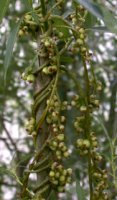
x=80 y=192
x=3 y=8
x=9 y=49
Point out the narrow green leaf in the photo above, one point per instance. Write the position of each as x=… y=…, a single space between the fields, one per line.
x=99 y=29
x=80 y=192
x=92 y=7
x=9 y=48
x=109 y=19
x=3 y=8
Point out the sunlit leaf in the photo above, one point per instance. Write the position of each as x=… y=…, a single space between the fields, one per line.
x=3 y=7
x=9 y=47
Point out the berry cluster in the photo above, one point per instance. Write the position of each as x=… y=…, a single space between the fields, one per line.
x=28 y=75
x=28 y=25
x=59 y=176
x=30 y=126
x=56 y=122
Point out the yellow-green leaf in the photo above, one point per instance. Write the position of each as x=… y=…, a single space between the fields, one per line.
x=9 y=47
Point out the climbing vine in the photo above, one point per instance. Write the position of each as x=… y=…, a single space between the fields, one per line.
x=56 y=36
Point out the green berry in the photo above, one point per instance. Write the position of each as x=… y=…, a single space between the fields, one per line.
x=69 y=171
x=31 y=78
x=80 y=42
x=62 y=178
x=66 y=154
x=52 y=174
x=86 y=143
x=60 y=137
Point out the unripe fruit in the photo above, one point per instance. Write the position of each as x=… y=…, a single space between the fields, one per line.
x=60 y=137
x=28 y=17
x=20 y=33
x=73 y=103
x=60 y=34
x=80 y=41
x=68 y=180
x=45 y=70
x=63 y=119
x=60 y=189
x=86 y=143
x=32 y=121
x=69 y=171
x=83 y=49
x=34 y=133
x=62 y=178
x=51 y=174
x=82 y=36
x=83 y=108
x=58 y=153
x=55 y=182
x=61 y=144
x=81 y=30
x=57 y=175
x=61 y=127
x=66 y=154
x=79 y=142
x=64 y=172
x=31 y=78
x=64 y=148
x=47 y=43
